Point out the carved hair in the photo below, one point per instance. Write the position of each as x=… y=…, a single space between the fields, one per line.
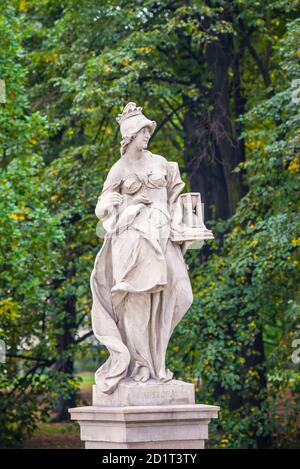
x=125 y=142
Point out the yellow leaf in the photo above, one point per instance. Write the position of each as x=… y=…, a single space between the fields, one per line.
x=295 y=242
x=11 y=95
x=23 y=6
x=32 y=140
x=144 y=50
x=9 y=308
x=17 y=216
x=50 y=57
x=294 y=165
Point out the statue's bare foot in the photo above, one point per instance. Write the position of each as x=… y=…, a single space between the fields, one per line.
x=142 y=375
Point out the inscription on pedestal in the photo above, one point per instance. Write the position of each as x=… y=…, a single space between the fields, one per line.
x=151 y=393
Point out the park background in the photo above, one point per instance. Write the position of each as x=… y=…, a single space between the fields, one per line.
x=222 y=80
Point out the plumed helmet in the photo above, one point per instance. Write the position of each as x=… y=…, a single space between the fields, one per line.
x=132 y=120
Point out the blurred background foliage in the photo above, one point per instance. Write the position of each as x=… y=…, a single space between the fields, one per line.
x=221 y=78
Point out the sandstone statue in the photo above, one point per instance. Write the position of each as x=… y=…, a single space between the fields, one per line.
x=140 y=283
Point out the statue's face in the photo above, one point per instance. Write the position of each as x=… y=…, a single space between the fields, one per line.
x=142 y=138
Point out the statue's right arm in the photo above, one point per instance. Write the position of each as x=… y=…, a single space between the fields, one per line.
x=110 y=196
x=106 y=203
x=101 y=211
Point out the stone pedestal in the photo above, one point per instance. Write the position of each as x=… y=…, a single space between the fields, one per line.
x=181 y=426
x=132 y=393
x=151 y=415
x=164 y=426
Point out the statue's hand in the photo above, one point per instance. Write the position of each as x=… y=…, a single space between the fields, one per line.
x=141 y=199
x=106 y=203
x=114 y=198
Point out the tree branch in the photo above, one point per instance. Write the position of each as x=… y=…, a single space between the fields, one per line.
x=165 y=79
x=82 y=338
x=34 y=359
x=168 y=117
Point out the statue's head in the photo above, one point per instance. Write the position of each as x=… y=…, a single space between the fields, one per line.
x=134 y=126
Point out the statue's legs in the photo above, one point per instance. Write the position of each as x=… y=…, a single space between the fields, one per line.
x=134 y=325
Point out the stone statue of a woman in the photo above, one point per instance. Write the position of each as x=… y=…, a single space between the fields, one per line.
x=140 y=284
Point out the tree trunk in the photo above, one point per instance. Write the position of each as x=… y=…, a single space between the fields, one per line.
x=228 y=152
x=205 y=174
x=65 y=364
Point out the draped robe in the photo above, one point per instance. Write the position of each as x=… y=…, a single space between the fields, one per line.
x=140 y=285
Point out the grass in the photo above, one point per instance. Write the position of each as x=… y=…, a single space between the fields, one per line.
x=87 y=379
x=64 y=435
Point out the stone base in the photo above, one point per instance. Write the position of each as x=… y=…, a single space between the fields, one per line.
x=149 y=427
x=132 y=393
